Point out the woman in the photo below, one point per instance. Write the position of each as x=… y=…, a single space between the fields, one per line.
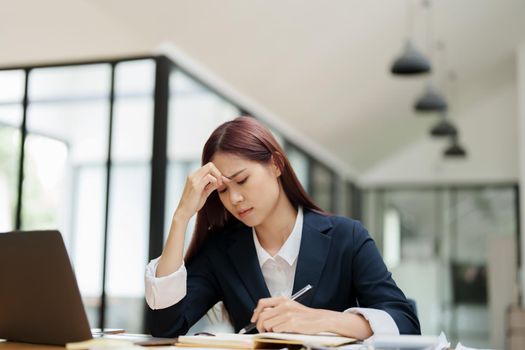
x=258 y=239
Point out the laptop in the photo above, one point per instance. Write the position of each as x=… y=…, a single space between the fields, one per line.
x=39 y=297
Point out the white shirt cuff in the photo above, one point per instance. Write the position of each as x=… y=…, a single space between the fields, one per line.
x=380 y=321
x=163 y=292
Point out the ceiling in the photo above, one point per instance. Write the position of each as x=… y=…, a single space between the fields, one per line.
x=321 y=66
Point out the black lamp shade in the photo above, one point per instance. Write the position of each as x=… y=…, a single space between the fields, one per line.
x=431 y=101
x=410 y=62
x=455 y=150
x=443 y=128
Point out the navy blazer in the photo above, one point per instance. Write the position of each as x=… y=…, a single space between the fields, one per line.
x=337 y=257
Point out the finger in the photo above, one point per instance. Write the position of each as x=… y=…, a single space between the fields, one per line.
x=267 y=318
x=208 y=190
x=208 y=182
x=266 y=303
x=267 y=313
x=284 y=327
x=212 y=169
x=276 y=324
x=208 y=168
x=225 y=181
x=261 y=305
x=264 y=316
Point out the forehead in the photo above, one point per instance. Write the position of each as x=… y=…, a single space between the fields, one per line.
x=228 y=163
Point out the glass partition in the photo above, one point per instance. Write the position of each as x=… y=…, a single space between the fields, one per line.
x=11 y=113
x=64 y=174
x=129 y=196
x=441 y=236
x=300 y=164
x=322 y=186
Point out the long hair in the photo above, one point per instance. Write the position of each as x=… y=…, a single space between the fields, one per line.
x=248 y=138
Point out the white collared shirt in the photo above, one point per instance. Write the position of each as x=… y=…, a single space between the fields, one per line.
x=278 y=272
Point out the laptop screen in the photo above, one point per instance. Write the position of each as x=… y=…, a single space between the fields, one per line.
x=39 y=297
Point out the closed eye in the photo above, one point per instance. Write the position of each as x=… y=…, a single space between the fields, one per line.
x=238 y=182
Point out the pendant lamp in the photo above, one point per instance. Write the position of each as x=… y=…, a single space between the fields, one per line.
x=430 y=101
x=410 y=62
x=443 y=128
x=455 y=149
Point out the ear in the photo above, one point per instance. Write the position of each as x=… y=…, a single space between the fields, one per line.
x=277 y=164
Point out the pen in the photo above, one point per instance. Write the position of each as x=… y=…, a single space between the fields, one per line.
x=297 y=297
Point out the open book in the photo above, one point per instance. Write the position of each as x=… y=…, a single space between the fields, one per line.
x=261 y=340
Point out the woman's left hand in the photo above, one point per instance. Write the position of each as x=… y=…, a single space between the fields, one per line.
x=281 y=314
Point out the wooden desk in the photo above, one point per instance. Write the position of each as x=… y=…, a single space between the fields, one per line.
x=26 y=346
x=137 y=339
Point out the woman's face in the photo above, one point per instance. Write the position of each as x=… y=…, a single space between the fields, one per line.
x=254 y=189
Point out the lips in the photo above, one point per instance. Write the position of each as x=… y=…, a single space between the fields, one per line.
x=244 y=212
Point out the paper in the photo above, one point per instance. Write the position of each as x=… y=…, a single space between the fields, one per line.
x=443 y=343
x=461 y=347
x=220 y=340
x=403 y=341
x=407 y=342
x=261 y=340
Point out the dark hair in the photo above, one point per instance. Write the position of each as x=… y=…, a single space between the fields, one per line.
x=248 y=138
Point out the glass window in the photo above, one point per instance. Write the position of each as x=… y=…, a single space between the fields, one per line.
x=442 y=239
x=11 y=96
x=194 y=112
x=127 y=245
x=353 y=201
x=69 y=83
x=300 y=164
x=44 y=194
x=130 y=189
x=392 y=238
x=418 y=222
x=476 y=215
x=135 y=78
x=277 y=135
x=321 y=186
x=479 y=214
x=133 y=130
x=9 y=160
x=11 y=86
x=60 y=137
x=64 y=170
x=409 y=236
x=88 y=203
x=11 y=115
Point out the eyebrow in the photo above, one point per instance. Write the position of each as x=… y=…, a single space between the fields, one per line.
x=237 y=173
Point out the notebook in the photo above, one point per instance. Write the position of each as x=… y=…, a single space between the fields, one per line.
x=39 y=297
x=262 y=340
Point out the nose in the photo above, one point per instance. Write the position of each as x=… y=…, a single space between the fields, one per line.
x=235 y=197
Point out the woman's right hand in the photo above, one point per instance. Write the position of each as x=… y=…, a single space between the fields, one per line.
x=198 y=188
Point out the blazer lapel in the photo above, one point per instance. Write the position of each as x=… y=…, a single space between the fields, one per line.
x=313 y=253
x=244 y=257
